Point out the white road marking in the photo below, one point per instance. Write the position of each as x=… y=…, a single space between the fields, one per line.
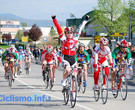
x=79 y=105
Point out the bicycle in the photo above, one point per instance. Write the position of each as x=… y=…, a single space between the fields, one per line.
x=9 y=74
x=68 y=89
x=121 y=81
x=102 y=88
x=48 y=82
x=27 y=65
x=81 y=78
x=18 y=68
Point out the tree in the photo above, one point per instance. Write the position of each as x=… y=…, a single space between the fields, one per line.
x=26 y=33
x=129 y=12
x=24 y=24
x=7 y=37
x=52 y=32
x=109 y=16
x=19 y=35
x=35 y=33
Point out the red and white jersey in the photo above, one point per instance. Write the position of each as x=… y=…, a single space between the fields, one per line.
x=102 y=54
x=48 y=57
x=28 y=54
x=68 y=46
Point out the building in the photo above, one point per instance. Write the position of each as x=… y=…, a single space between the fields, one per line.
x=9 y=27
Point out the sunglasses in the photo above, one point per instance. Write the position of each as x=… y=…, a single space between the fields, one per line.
x=124 y=47
x=69 y=32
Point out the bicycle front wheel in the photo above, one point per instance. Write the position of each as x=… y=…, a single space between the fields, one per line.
x=116 y=85
x=18 y=70
x=96 y=95
x=66 y=96
x=123 y=82
x=73 y=94
x=104 y=89
x=10 y=80
x=46 y=80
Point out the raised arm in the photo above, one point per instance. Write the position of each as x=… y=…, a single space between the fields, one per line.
x=80 y=28
x=59 y=29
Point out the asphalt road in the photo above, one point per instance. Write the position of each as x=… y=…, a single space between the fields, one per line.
x=32 y=85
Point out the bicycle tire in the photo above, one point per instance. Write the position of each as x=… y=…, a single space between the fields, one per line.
x=83 y=86
x=46 y=77
x=66 y=96
x=116 y=86
x=18 y=70
x=73 y=102
x=79 y=82
x=104 y=92
x=96 y=95
x=10 y=81
x=123 y=89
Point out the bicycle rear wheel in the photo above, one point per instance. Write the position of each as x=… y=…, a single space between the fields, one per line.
x=73 y=94
x=104 y=89
x=123 y=86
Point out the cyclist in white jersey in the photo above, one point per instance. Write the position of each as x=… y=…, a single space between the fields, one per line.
x=101 y=52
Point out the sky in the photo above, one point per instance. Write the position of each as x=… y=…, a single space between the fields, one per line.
x=43 y=9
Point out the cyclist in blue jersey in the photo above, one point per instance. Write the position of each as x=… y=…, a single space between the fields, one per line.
x=82 y=57
x=21 y=57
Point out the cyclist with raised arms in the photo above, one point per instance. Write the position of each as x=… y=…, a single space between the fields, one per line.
x=101 y=52
x=68 y=46
x=119 y=55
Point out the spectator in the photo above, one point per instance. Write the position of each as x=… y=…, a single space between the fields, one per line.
x=89 y=51
x=133 y=51
x=95 y=44
x=36 y=53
